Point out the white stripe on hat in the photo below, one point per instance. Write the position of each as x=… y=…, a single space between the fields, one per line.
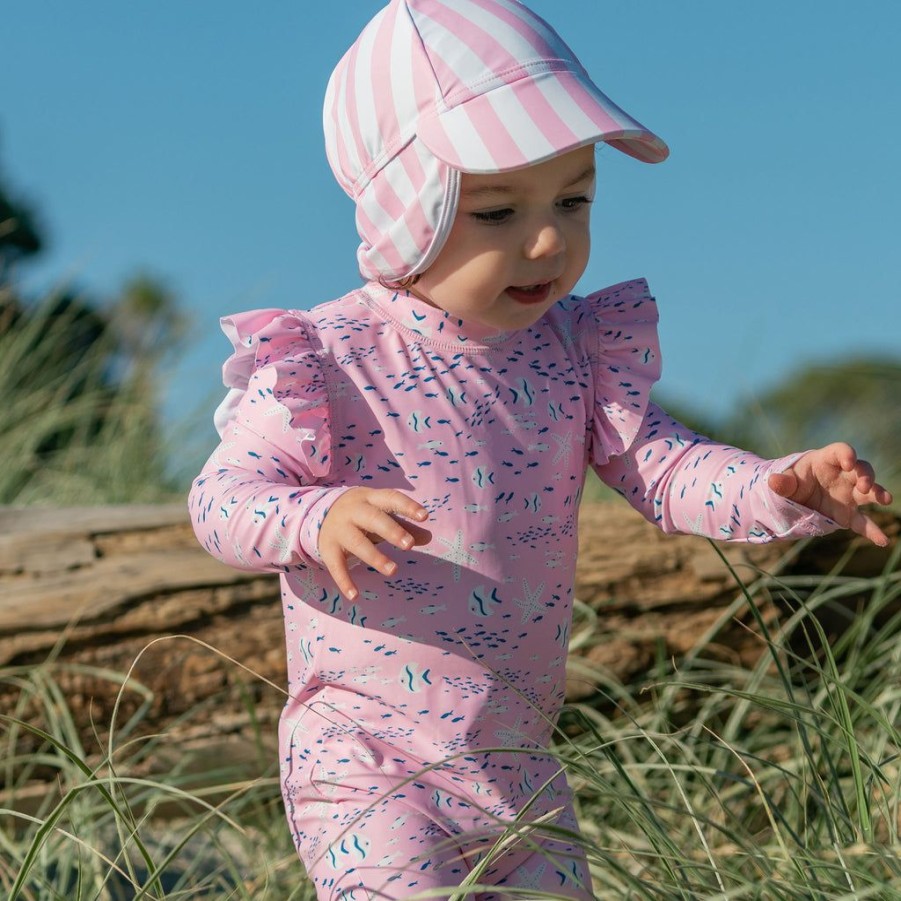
x=517 y=120
x=382 y=226
x=392 y=204
x=403 y=75
x=454 y=54
x=466 y=139
x=345 y=127
x=567 y=107
x=370 y=259
x=504 y=23
x=366 y=132
x=332 y=139
x=525 y=22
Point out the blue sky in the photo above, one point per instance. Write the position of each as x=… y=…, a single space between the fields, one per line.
x=184 y=139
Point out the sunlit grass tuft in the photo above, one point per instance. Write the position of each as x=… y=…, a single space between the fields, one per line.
x=713 y=781
x=782 y=781
x=70 y=433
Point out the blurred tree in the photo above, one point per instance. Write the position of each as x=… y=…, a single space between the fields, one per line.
x=80 y=423
x=147 y=321
x=80 y=420
x=857 y=400
x=19 y=236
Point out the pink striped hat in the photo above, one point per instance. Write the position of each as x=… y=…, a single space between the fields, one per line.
x=432 y=88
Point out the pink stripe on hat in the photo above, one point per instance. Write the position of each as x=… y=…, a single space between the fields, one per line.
x=473 y=47
x=432 y=88
x=502 y=148
x=529 y=31
x=546 y=118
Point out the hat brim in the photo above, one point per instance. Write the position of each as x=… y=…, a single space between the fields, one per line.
x=532 y=119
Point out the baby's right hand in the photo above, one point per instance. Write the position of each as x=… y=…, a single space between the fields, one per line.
x=358 y=520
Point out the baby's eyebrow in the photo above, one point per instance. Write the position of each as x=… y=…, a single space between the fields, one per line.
x=588 y=172
x=504 y=189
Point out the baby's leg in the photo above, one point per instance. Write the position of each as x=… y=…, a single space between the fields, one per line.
x=556 y=869
x=555 y=865
x=386 y=853
x=393 y=865
x=390 y=853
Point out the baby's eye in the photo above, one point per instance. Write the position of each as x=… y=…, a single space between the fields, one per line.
x=492 y=217
x=571 y=204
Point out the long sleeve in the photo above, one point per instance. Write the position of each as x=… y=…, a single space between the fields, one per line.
x=677 y=479
x=684 y=482
x=260 y=499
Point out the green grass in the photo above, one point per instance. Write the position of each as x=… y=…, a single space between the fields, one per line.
x=776 y=782
x=710 y=781
x=70 y=433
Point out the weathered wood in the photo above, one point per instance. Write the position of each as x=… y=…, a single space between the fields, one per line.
x=104 y=591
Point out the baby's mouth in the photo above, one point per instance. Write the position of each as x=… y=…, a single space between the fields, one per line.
x=530 y=293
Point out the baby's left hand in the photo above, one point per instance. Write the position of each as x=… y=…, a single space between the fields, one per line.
x=834 y=482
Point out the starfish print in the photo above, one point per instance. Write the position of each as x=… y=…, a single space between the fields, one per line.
x=458 y=555
x=565 y=446
x=512 y=737
x=525 y=879
x=696 y=524
x=278 y=409
x=306 y=579
x=216 y=460
x=281 y=544
x=529 y=602
x=782 y=524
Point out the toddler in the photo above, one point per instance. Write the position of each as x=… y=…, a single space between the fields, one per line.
x=410 y=458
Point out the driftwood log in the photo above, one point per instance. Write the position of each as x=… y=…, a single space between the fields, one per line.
x=94 y=593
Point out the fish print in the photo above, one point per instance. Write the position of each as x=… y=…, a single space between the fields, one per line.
x=406 y=704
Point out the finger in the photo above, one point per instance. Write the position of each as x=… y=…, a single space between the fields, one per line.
x=354 y=542
x=876 y=494
x=866 y=490
x=420 y=536
x=845 y=455
x=376 y=560
x=866 y=476
x=865 y=526
x=409 y=535
x=360 y=546
x=393 y=501
x=381 y=526
x=785 y=484
x=336 y=564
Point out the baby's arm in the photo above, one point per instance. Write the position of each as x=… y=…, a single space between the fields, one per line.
x=265 y=499
x=265 y=518
x=684 y=482
x=256 y=506
x=264 y=503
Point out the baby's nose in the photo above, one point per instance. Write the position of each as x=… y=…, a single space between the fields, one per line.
x=547 y=241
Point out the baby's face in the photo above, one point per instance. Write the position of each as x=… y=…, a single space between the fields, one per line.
x=519 y=243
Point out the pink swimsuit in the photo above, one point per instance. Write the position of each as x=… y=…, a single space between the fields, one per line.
x=389 y=784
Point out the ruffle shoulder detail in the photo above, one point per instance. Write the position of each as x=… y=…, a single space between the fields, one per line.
x=625 y=363
x=276 y=384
